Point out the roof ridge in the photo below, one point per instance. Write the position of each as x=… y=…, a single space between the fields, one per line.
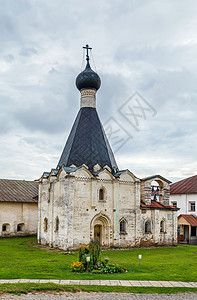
x=183 y=179
x=24 y=180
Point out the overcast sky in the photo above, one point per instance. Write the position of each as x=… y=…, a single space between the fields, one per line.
x=148 y=47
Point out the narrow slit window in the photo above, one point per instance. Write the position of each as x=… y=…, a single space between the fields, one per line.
x=57 y=224
x=45 y=224
x=101 y=194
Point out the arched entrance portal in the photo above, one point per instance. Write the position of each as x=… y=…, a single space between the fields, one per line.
x=100 y=228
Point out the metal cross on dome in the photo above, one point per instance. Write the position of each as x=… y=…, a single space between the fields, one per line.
x=87 y=48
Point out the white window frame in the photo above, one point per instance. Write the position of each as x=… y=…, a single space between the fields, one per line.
x=192 y=206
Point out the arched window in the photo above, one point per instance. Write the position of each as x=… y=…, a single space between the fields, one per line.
x=101 y=194
x=57 y=224
x=162 y=226
x=45 y=224
x=123 y=226
x=148 y=226
x=157 y=190
x=5 y=227
x=20 y=227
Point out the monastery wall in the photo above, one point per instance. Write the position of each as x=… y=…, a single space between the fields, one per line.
x=18 y=219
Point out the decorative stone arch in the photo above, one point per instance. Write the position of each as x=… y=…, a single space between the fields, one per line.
x=163 y=225
x=157 y=186
x=102 y=193
x=147 y=226
x=161 y=191
x=123 y=224
x=128 y=176
x=82 y=172
x=104 y=174
x=100 y=229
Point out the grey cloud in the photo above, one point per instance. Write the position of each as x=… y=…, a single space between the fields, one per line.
x=9 y=58
x=142 y=46
x=27 y=52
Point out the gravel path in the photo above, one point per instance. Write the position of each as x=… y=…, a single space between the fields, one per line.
x=101 y=296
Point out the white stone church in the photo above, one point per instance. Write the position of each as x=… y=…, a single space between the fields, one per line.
x=87 y=197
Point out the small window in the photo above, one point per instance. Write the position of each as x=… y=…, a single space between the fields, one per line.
x=20 y=227
x=123 y=226
x=101 y=195
x=192 y=206
x=162 y=226
x=45 y=224
x=169 y=216
x=148 y=227
x=57 y=224
x=4 y=228
x=174 y=203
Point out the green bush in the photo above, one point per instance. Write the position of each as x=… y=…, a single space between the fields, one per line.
x=104 y=268
x=111 y=268
x=95 y=251
x=82 y=251
x=87 y=265
x=95 y=264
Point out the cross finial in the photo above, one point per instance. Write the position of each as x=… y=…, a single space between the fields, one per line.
x=87 y=48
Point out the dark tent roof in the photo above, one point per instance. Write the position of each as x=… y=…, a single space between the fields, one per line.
x=87 y=143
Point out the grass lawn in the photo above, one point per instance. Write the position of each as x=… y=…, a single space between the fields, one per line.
x=24 y=288
x=23 y=258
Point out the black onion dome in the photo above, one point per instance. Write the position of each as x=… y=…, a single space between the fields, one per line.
x=88 y=79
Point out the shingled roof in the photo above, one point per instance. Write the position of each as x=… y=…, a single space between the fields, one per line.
x=191 y=219
x=185 y=186
x=87 y=143
x=157 y=205
x=18 y=191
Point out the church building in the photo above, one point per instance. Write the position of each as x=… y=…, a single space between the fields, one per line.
x=86 y=197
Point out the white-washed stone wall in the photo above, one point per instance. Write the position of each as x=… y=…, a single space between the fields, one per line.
x=168 y=237
x=12 y=214
x=74 y=199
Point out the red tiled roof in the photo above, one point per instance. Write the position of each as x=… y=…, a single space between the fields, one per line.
x=185 y=186
x=158 y=205
x=18 y=191
x=191 y=219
